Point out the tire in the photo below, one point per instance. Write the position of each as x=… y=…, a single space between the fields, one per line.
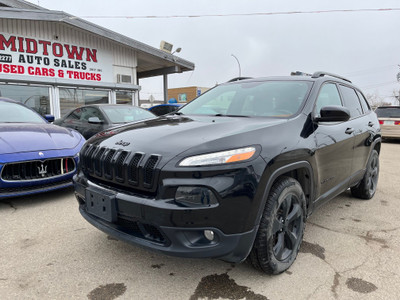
x=281 y=228
x=367 y=187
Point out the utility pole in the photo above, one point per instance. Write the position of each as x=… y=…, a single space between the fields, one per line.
x=398 y=95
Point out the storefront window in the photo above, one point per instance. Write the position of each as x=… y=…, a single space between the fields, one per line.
x=182 y=98
x=124 y=97
x=36 y=97
x=71 y=98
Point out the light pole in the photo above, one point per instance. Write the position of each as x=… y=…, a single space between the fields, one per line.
x=240 y=71
x=177 y=50
x=165 y=76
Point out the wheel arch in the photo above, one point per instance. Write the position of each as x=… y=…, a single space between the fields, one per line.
x=377 y=145
x=301 y=171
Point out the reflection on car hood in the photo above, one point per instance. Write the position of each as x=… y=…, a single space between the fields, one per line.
x=172 y=135
x=26 y=137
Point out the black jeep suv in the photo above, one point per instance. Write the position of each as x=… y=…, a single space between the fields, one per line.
x=235 y=173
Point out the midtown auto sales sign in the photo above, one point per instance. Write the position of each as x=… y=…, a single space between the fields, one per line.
x=52 y=59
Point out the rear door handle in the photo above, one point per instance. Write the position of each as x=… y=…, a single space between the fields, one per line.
x=349 y=130
x=370 y=124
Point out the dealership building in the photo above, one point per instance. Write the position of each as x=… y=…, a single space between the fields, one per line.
x=53 y=61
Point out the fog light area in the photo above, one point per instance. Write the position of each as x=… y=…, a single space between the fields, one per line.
x=209 y=234
x=193 y=196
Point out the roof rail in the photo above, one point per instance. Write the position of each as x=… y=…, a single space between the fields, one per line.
x=299 y=73
x=239 y=78
x=322 y=73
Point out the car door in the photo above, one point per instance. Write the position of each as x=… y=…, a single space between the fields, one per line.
x=334 y=143
x=362 y=124
x=72 y=120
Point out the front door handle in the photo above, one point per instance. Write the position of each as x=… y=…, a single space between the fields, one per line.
x=349 y=130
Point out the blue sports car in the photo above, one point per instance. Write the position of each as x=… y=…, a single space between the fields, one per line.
x=35 y=156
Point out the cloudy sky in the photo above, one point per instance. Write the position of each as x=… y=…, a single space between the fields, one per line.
x=361 y=45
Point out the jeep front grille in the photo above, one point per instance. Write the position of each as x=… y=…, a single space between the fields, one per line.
x=37 y=169
x=121 y=168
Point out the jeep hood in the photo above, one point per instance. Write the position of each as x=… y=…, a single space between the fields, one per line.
x=181 y=135
x=27 y=137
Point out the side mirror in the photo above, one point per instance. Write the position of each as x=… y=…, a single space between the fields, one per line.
x=49 y=118
x=333 y=113
x=95 y=120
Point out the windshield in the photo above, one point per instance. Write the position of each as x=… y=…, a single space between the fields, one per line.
x=16 y=113
x=251 y=99
x=126 y=114
x=388 y=112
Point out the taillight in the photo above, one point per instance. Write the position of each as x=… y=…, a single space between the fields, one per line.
x=381 y=122
x=396 y=122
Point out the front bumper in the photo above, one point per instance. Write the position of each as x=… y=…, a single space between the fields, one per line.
x=163 y=226
x=29 y=186
x=29 y=190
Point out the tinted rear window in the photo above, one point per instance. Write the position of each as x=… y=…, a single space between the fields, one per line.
x=388 y=112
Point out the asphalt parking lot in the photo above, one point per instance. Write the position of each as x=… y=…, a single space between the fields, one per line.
x=351 y=250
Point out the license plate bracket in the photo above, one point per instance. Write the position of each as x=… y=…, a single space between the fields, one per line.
x=101 y=204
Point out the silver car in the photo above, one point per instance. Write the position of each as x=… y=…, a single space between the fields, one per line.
x=389 y=119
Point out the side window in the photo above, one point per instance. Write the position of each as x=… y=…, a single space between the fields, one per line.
x=328 y=95
x=74 y=115
x=364 y=102
x=91 y=112
x=351 y=101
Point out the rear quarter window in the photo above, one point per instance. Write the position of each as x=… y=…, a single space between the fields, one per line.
x=364 y=102
x=351 y=101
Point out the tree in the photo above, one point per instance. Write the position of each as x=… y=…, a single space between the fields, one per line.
x=376 y=100
x=396 y=96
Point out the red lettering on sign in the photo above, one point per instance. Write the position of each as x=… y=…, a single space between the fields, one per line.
x=31 y=46
x=42 y=47
x=45 y=44
x=7 y=43
x=73 y=53
x=91 y=55
x=84 y=76
x=57 y=50
x=13 y=69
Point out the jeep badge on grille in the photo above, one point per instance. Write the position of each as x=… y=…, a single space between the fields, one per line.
x=122 y=143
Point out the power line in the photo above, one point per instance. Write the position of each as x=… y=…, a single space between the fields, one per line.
x=247 y=14
x=368 y=87
x=365 y=71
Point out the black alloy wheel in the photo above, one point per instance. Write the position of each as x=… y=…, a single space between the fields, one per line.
x=373 y=174
x=286 y=227
x=367 y=187
x=281 y=228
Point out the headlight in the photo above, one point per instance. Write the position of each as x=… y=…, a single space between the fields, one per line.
x=218 y=158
